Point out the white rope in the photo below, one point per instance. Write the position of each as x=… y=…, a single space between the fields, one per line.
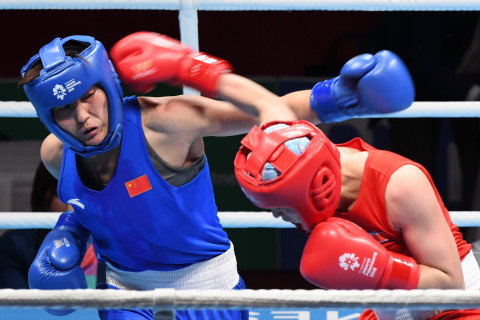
x=420 y=109
x=229 y=219
x=236 y=5
x=17 y=109
x=28 y=220
x=240 y=299
x=434 y=109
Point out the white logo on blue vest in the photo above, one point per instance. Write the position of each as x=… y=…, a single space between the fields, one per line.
x=76 y=202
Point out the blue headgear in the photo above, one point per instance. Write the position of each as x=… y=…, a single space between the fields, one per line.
x=65 y=79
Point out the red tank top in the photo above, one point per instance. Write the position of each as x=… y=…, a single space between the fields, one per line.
x=369 y=211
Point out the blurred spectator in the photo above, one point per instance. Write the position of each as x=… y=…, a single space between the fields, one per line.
x=19 y=247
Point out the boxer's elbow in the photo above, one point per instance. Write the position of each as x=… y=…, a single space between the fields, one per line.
x=432 y=278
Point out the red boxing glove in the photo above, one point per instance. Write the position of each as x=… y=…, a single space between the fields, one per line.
x=341 y=255
x=144 y=58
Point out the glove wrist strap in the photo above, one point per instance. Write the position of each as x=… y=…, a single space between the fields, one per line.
x=68 y=221
x=404 y=273
x=321 y=101
x=201 y=71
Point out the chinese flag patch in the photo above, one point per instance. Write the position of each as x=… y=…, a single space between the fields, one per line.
x=138 y=185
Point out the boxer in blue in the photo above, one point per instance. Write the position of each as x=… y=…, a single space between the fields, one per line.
x=134 y=168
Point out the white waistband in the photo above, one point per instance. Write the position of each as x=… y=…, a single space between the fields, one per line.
x=471 y=272
x=216 y=273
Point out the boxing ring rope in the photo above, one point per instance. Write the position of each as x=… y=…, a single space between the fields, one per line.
x=419 y=109
x=170 y=299
x=242 y=5
x=165 y=299
x=229 y=219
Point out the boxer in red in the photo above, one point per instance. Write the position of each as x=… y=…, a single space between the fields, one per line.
x=374 y=219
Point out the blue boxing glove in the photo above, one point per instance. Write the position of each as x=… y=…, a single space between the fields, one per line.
x=367 y=85
x=57 y=264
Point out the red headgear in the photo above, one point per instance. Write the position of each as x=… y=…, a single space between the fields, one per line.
x=308 y=183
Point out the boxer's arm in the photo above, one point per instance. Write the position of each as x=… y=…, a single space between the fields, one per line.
x=367 y=85
x=51 y=153
x=187 y=117
x=253 y=99
x=413 y=209
x=299 y=103
x=145 y=58
x=244 y=103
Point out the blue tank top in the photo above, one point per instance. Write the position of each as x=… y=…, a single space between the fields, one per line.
x=139 y=221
